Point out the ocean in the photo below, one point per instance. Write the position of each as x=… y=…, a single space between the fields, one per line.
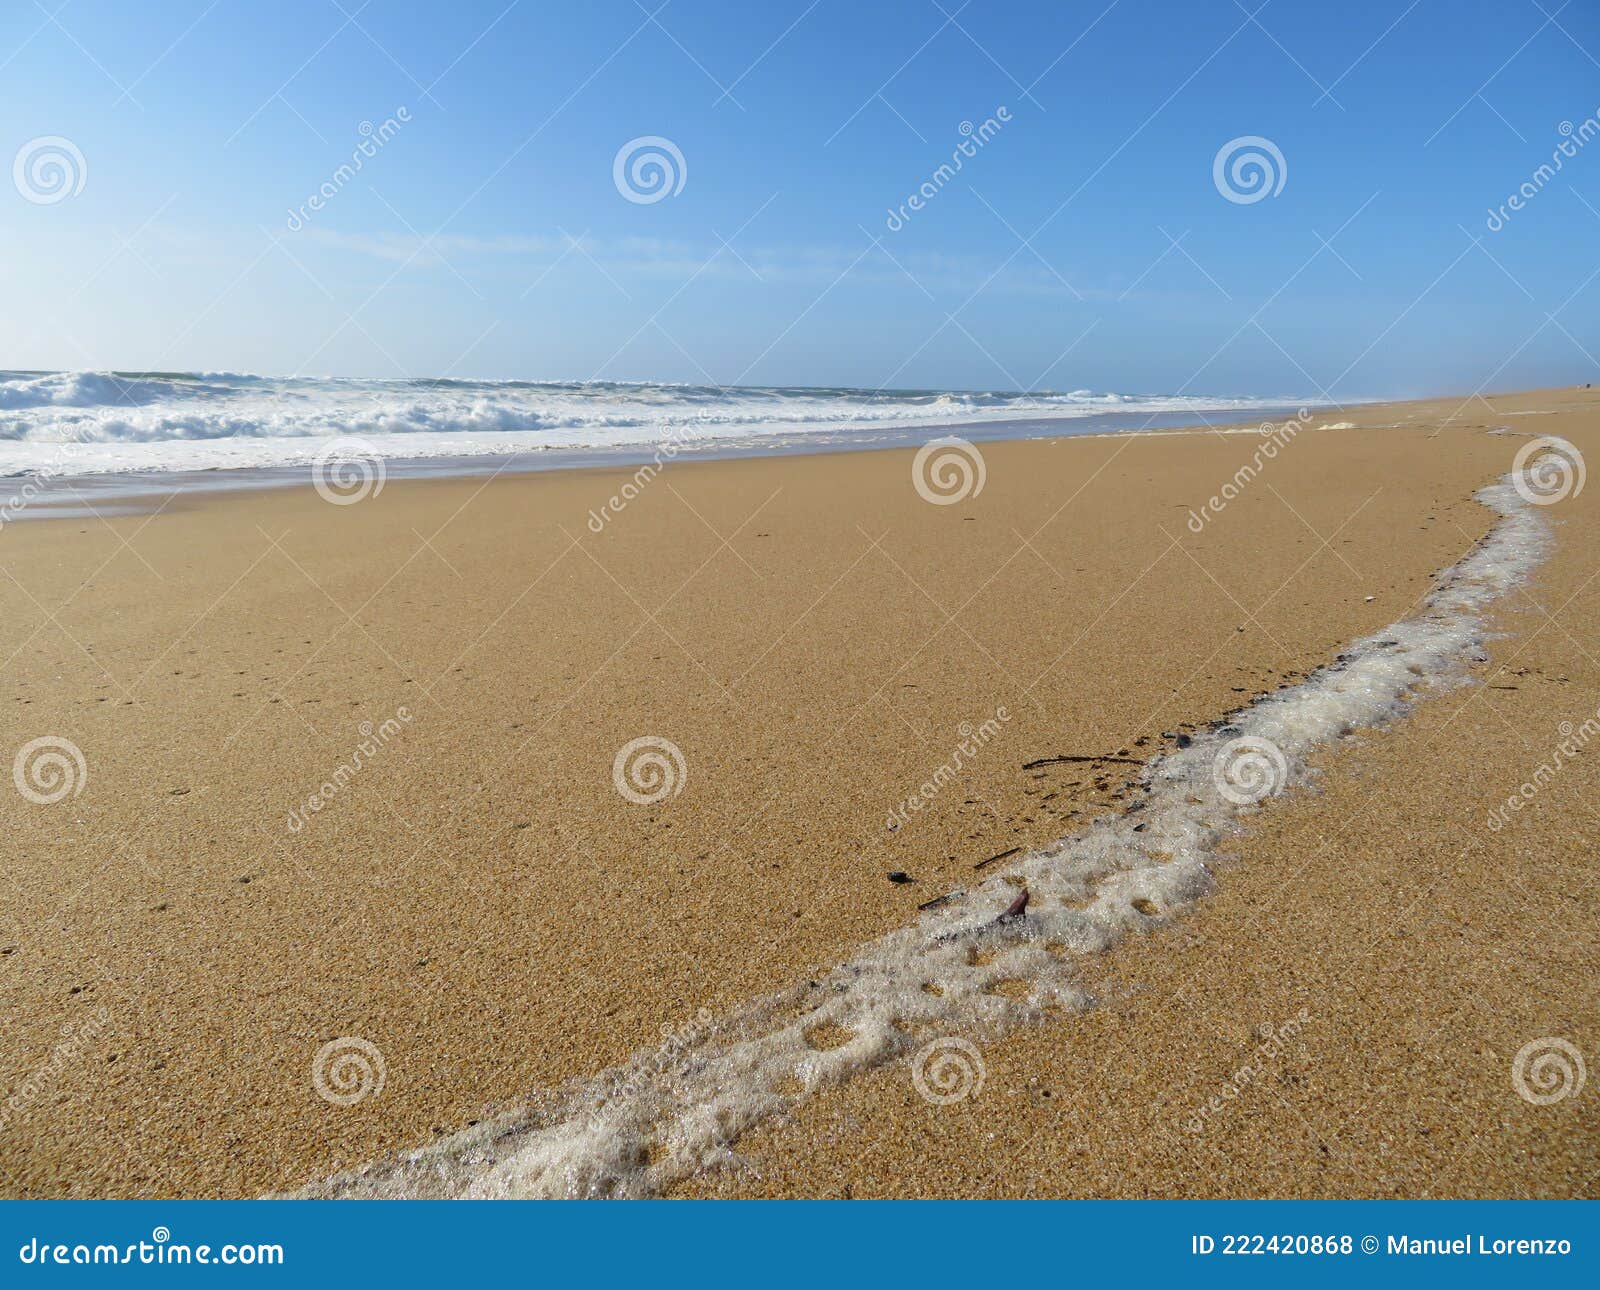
x=95 y=423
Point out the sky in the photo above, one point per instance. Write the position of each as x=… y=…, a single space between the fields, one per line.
x=164 y=157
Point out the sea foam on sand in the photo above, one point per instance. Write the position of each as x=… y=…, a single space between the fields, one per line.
x=966 y=967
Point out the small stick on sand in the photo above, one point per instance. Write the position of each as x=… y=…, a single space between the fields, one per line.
x=1013 y=851
x=1052 y=761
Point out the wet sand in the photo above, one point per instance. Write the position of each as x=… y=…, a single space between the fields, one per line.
x=482 y=905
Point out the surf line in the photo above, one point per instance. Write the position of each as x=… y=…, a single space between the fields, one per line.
x=971 y=966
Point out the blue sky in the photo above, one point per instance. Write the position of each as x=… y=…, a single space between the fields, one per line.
x=1086 y=243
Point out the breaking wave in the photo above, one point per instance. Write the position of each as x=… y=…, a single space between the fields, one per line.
x=99 y=422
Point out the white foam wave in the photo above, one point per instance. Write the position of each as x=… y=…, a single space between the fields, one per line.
x=111 y=422
x=678 y=1110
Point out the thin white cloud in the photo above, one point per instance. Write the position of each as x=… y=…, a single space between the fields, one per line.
x=677 y=260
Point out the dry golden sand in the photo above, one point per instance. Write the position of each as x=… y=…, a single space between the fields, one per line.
x=482 y=904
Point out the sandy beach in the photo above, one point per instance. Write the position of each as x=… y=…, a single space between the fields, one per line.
x=350 y=772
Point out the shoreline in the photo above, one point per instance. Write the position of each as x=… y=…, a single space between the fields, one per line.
x=144 y=492
x=139 y=492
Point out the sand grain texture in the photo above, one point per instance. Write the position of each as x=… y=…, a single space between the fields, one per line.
x=482 y=905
